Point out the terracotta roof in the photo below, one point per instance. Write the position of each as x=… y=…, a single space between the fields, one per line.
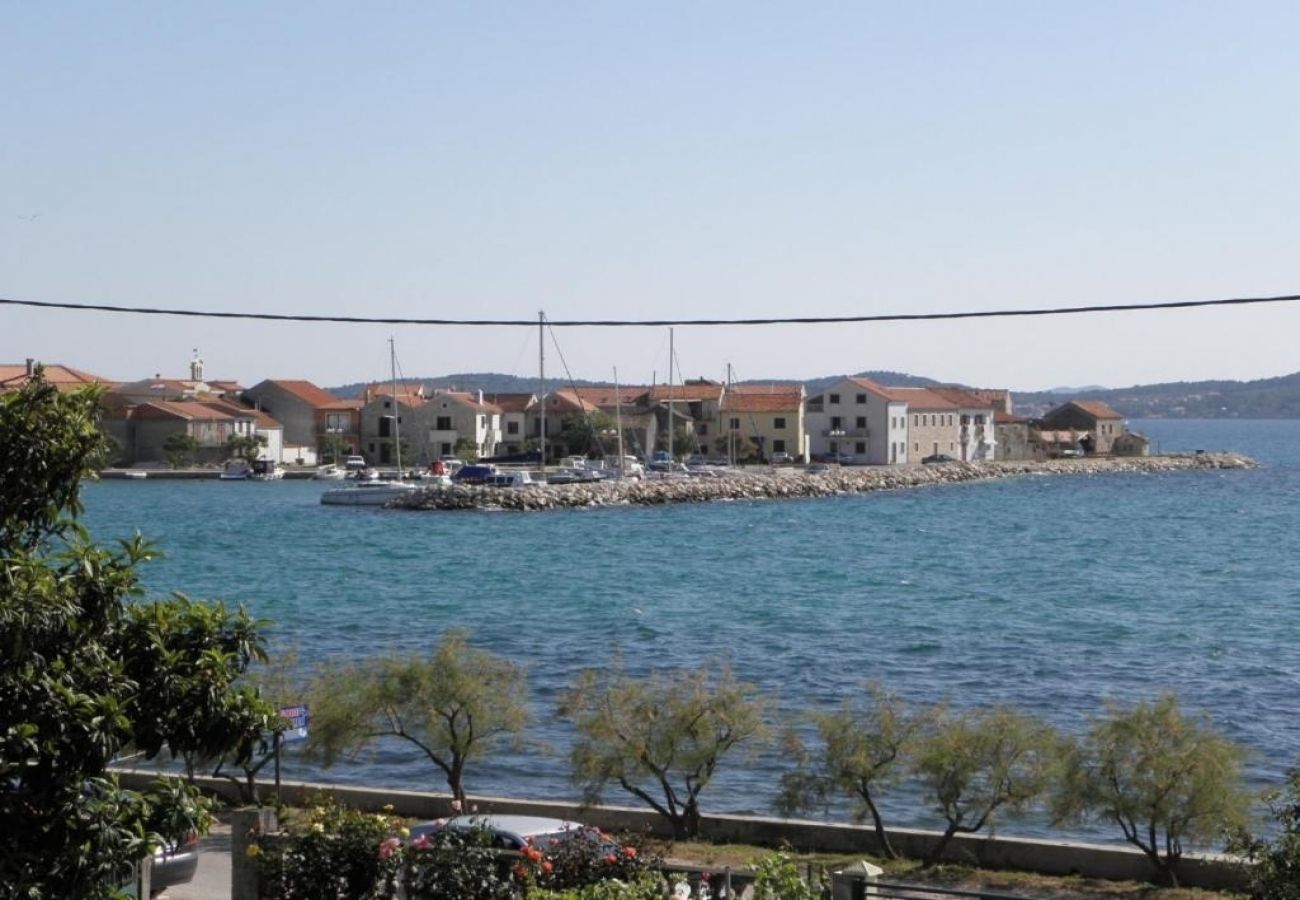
x=922 y=398
x=565 y=399
x=872 y=387
x=1097 y=409
x=463 y=398
x=64 y=378
x=963 y=397
x=691 y=391
x=1001 y=417
x=511 y=403
x=190 y=410
x=606 y=396
x=305 y=391
x=776 y=399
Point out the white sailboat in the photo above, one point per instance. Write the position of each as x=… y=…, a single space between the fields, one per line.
x=376 y=493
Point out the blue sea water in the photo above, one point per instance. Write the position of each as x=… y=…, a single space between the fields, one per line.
x=1052 y=594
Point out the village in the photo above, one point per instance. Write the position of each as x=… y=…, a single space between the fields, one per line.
x=855 y=421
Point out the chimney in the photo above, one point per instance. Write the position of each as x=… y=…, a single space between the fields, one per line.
x=31 y=366
x=480 y=396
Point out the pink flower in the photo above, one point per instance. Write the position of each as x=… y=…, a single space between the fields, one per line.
x=421 y=843
x=389 y=847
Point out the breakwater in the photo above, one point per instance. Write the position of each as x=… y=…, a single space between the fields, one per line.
x=777 y=484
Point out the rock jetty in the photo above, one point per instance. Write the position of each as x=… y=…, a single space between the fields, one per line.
x=777 y=484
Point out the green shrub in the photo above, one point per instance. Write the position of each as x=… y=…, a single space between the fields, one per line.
x=777 y=878
x=454 y=864
x=337 y=852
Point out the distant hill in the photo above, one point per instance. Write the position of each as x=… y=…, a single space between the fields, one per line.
x=1265 y=398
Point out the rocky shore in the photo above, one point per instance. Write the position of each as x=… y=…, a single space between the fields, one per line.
x=775 y=484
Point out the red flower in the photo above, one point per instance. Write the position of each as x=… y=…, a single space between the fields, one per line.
x=532 y=853
x=611 y=859
x=520 y=872
x=547 y=868
x=629 y=852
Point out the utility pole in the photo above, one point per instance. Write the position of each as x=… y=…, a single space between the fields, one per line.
x=541 y=374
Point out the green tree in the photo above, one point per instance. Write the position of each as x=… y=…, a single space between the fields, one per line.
x=333 y=446
x=589 y=434
x=247 y=447
x=456 y=706
x=1274 y=870
x=87 y=672
x=864 y=747
x=465 y=449
x=1164 y=778
x=276 y=682
x=979 y=764
x=659 y=738
x=180 y=448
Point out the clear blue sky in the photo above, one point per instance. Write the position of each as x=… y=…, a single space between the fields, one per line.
x=653 y=160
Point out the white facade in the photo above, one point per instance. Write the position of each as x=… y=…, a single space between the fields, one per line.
x=857 y=421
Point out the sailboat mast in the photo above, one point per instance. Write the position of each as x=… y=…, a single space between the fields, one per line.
x=670 y=394
x=397 y=414
x=541 y=375
x=618 y=418
x=731 y=434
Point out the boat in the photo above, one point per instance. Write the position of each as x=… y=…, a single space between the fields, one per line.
x=135 y=473
x=371 y=491
x=236 y=470
x=266 y=470
x=330 y=473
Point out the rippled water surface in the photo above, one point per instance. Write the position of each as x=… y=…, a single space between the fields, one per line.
x=1049 y=593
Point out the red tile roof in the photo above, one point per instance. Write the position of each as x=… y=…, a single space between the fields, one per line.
x=307 y=392
x=511 y=403
x=922 y=398
x=190 y=410
x=1000 y=417
x=963 y=397
x=1097 y=409
x=691 y=391
x=64 y=378
x=606 y=396
x=769 y=399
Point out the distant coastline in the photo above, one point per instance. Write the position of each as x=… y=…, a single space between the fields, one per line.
x=785 y=484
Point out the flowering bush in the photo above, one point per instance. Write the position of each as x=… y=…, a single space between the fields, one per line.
x=455 y=864
x=646 y=886
x=586 y=857
x=336 y=852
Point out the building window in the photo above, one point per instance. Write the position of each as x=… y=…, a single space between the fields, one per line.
x=862 y=399
x=702 y=429
x=916 y=420
x=735 y=424
x=837 y=423
x=835 y=447
x=512 y=428
x=834 y=398
x=778 y=446
x=916 y=446
x=779 y=423
x=443 y=423
x=860 y=448
x=861 y=422
x=388 y=404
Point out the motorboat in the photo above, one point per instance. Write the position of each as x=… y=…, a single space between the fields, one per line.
x=266 y=470
x=367 y=493
x=236 y=470
x=330 y=473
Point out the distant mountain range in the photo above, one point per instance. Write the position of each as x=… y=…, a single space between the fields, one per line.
x=1265 y=398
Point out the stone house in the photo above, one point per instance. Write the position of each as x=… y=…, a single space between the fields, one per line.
x=770 y=417
x=313 y=419
x=1013 y=436
x=516 y=409
x=141 y=430
x=1101 y=424
x=630 y=403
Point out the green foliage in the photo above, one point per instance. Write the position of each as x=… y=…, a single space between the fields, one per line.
x=336 y=853
x=454 y=864
x=456 y=706
x=466 y=449
x=180 y=447
x=247 y=447
x=587 y=435
x=647 y=886
x=1162 y=777
x=86 y=673
x=776 y=877
x=979 y=764
x=275 y=681
x=1274 y=871
x=660 y=739
x=864 y=747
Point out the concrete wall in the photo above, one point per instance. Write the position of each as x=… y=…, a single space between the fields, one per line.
x=933 y=431
x=1049 y=857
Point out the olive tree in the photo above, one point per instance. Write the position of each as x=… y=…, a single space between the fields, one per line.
x=247 y=447
x=981 y=763
x=180 y=448
x=1163 y=777
x=456 y=705
x=659 y=738
x=87 y=671
x=863 y=748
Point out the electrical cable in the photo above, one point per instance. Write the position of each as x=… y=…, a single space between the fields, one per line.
x=659 y=323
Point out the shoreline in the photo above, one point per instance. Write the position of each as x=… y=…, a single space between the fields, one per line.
x=786 y=484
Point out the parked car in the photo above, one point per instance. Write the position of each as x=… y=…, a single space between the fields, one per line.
x=781 y=459
x=516 y=832
x=174 y=864
x=937 y=458
x=354 y=463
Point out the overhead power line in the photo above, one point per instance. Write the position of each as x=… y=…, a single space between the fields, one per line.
x=648 y=323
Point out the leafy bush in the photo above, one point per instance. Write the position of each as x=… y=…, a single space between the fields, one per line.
x=1275 y=870
x=453 y=864
x=777 y=878
x=338 y=852
x=646 y=886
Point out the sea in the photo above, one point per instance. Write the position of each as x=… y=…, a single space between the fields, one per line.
x=1054 y=594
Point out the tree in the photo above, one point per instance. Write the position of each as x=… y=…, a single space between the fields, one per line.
x=979 y=764
x=582 y=433
x=465 y=449
x=1274 y=872
x=247 y=447
x=1162 y=777
x=863 y=748
x=332 y=446
x=660 y=738
x=456 y=706
x=276 y=682
x=87 y=672
x=180 y=448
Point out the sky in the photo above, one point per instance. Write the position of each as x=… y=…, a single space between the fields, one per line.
x=653 y=161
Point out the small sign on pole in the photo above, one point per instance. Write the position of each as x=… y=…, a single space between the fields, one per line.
x=299 y=717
